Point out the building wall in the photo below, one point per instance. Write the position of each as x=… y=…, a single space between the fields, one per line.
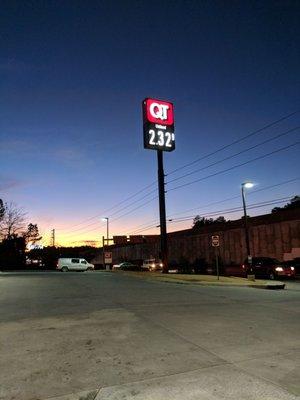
x=271 y=235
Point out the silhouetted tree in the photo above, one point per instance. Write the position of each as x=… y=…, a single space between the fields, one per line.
x=2 y=209
x=220 y=220
x=294 y=203
x=15 y=235
x=12 y=223
x=199 y=222
x=32 y=234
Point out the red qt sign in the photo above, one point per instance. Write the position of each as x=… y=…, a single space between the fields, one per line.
x=158 y=125
x=159 y=112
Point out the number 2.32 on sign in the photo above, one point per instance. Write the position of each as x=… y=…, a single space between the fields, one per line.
x=161 y=138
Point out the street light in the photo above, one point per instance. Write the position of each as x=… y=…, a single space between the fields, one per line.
x=107 y=228
x=246 y=185
x=107 y=237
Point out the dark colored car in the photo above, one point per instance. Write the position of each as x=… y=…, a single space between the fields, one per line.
x=296 y=264
x=269 y=268
x=128 y=266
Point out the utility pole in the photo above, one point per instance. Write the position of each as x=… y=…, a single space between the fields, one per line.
x=53 y=237
x=246 y=223
x=162 y=212
x=103 y=249
x=247 y=185
x=107 y=240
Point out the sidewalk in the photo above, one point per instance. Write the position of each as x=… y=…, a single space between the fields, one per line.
x=214 y=383
x=211 y=280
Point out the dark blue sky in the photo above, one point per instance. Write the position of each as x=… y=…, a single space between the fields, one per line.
x=74 y=73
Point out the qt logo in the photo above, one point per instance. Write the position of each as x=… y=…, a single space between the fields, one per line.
x=159 y=112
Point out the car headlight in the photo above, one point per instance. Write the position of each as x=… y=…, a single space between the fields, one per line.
x=161 y=265
x=292 y=268
x=279 y=269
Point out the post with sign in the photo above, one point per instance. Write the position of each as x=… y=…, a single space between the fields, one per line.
x=215 y=242
x=106 y=255
x=158 y=127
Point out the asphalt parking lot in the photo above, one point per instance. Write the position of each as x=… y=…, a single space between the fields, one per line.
x=108 y=336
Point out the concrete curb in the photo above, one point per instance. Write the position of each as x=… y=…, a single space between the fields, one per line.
x=271 y=285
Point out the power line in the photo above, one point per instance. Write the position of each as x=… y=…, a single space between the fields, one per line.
x=115 y=219
x=223 y=211
x=149 y=224
x=144 y=229
x=177 y=187
x=238 y=196
x=129 y=205
x=234 y=142
x=234 y=209
x=113 y=207
x=145 y=224
x=235 y=166
x=234 y=155
x=129 y=212
x=195 y=161
x=84 y=227
x=97 y=222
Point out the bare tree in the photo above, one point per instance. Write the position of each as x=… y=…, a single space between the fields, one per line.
x=2 y=209
x=12 y=222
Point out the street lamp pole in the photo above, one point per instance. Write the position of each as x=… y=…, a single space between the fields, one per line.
x=107 y=236
x=246 y=185
x=107 y=231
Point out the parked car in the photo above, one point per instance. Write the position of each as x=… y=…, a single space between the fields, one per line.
x=121 y=265
x=125 y=266
x=270 y=268
x=73 y=264
x=152 y=265
x=128 y=266
x=294 y=263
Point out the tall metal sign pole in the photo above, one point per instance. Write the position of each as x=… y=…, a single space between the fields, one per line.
x=162 y=212
x=158 y=127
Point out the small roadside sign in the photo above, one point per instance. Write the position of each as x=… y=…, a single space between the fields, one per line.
x=107 y=257
x=215 y=241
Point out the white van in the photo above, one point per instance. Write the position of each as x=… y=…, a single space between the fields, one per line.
x=152 y=265
x=73 y=264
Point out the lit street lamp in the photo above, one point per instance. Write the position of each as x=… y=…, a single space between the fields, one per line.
x=246 y=185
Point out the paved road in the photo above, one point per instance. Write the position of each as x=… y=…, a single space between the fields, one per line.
x=135 y=339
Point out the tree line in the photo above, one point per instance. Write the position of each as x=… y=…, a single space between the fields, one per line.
x=15 y=235
x=200 y=222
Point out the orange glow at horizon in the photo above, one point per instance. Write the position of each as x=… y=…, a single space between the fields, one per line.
x=64 y=236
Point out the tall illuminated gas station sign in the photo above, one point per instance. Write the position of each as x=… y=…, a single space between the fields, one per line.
x=158 y=128
x=158 y=120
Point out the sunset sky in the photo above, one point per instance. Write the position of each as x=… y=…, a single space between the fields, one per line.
x=74 y=74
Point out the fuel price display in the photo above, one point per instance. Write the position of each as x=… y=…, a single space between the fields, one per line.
x=158 y=124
